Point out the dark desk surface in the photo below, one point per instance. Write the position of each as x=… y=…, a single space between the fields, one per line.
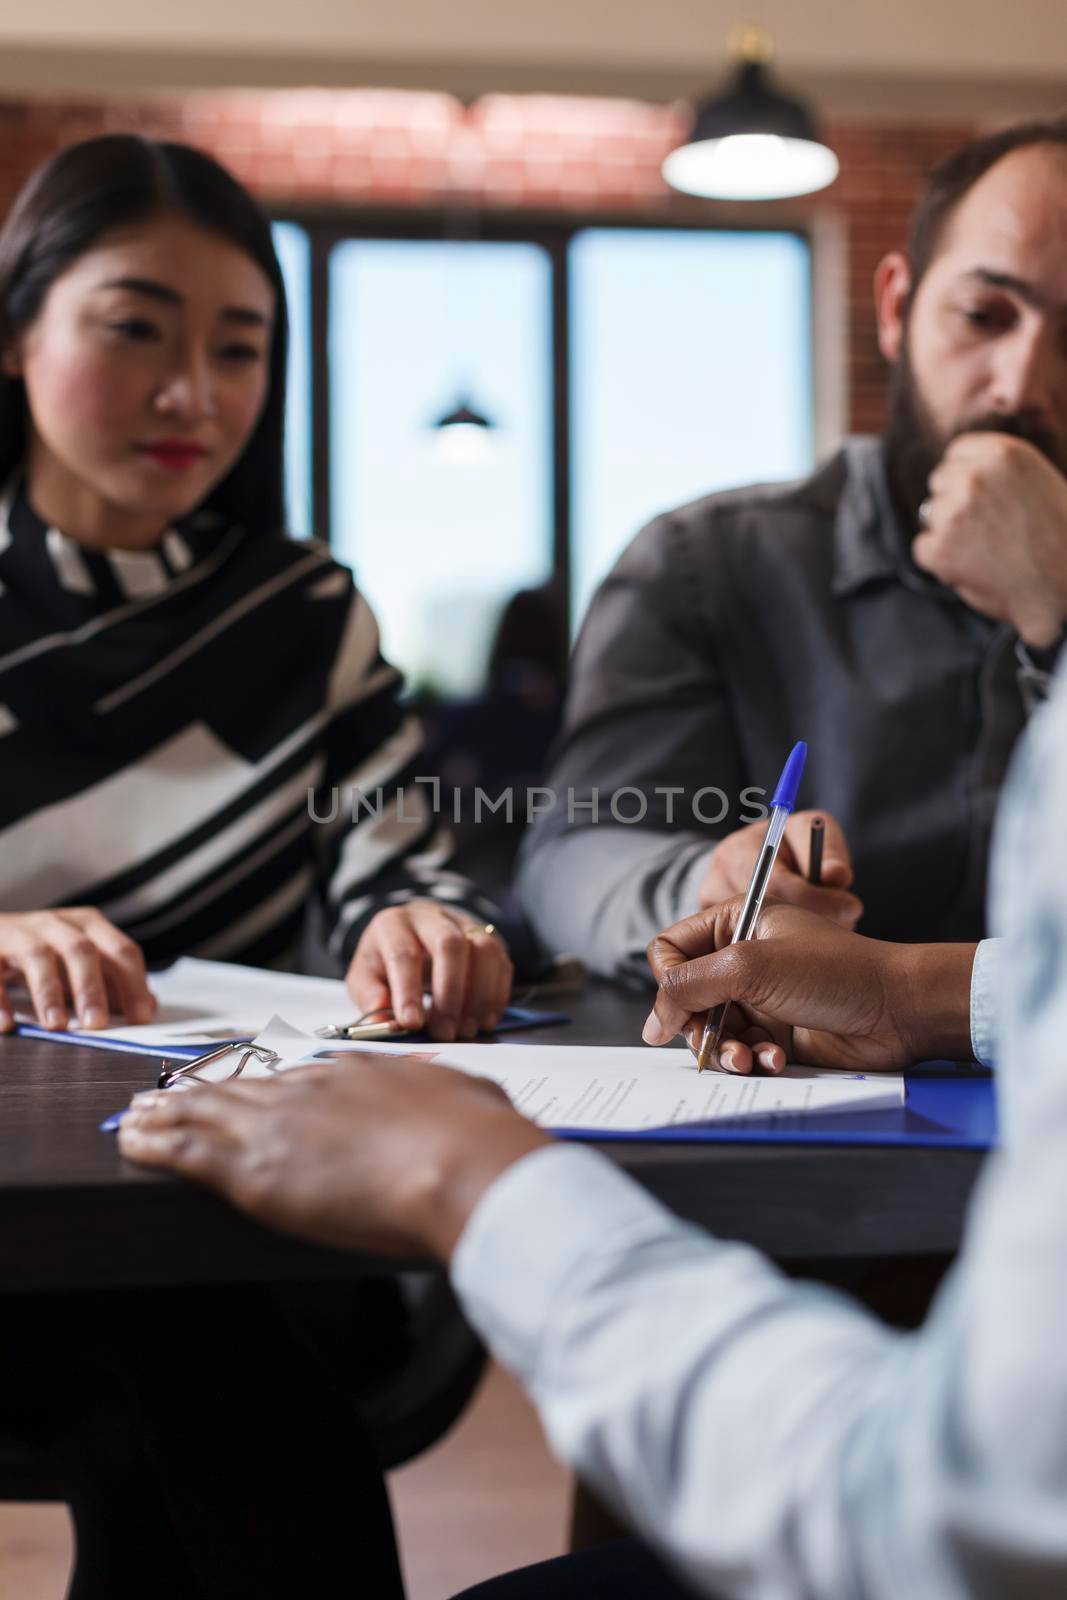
x=73 y=1214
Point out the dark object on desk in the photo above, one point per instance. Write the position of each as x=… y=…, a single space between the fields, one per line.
x=515 y=1019
x=817 y=840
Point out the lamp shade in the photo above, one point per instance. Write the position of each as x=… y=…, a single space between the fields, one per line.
x=462 y=416
x=751 y=142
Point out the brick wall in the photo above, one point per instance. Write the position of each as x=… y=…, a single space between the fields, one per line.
x=549 y=153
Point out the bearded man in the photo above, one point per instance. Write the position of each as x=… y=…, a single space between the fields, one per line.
x=900 y=610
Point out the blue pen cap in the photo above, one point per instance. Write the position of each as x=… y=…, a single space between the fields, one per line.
x=788 y=784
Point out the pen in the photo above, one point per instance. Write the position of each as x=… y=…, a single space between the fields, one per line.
x=782 y=803
x=815 y=844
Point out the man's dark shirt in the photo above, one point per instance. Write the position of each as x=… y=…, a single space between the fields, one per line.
x=731 y=628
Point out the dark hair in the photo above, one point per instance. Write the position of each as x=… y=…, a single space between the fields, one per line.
x=952 y=178
x=121 y=178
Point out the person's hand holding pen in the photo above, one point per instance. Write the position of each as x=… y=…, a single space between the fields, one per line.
x=805 y=991
x=734 y=858
x=421 y=947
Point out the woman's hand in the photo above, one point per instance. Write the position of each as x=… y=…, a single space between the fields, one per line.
x=806 y=991
x=424 y=946
x=76 y=959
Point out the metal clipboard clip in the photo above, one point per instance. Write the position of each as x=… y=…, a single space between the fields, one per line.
x=242 y=1050
x=371 y=1025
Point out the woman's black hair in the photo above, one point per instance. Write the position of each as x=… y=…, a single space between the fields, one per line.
x=114 y=181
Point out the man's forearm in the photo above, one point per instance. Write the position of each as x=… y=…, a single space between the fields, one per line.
x=601 y=893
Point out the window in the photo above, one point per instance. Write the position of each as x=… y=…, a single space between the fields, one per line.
x=625 y=370
x=690 y=371
x=439 y=545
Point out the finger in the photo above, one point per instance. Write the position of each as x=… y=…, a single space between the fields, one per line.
x=978 y=445
x=405 y=958
x=227 y=1108
x=366 y=979
x=7 y=1010
x=767 y=1053
x=749 y=1049
x=693 y=1031
x=922 y=550
x=449 y=957
x=505 y=980
x=951 y=476
x=191 y=1151
x=735 y=1056
x=737 y=973
x=43 y=977
x=124 y=969
x=483 y=973
x=839 y=905
x=127 y=986
x=685 y=990
x=741 y=1044
x=695 y=935
x=989 y=604
x=85 y=976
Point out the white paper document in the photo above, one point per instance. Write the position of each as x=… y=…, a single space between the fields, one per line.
x=621 y=1088
x=205 y=1001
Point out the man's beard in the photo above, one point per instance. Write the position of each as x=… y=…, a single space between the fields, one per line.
x=913 y=446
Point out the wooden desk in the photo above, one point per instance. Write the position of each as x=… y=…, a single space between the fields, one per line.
x=73 y=1214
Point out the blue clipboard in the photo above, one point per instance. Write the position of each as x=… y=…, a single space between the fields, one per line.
x=948 y=1106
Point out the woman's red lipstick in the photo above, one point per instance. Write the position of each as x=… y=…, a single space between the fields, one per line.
x=177 y=454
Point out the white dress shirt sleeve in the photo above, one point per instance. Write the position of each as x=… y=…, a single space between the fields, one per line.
x=986 y=978
x=770 y=1439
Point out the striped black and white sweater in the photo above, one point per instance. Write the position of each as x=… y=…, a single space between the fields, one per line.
x=174 y=725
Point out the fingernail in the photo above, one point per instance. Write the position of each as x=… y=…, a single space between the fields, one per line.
x=410 y=1016
x=6 y=1021
x=468 y=1028
x=653 y=1031
x=55 y=1018
x=490 y=1023
x=142 y=1012
x=447 y=1031
x=94 y=1017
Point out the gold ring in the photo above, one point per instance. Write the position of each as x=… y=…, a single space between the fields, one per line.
x=487 y=927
